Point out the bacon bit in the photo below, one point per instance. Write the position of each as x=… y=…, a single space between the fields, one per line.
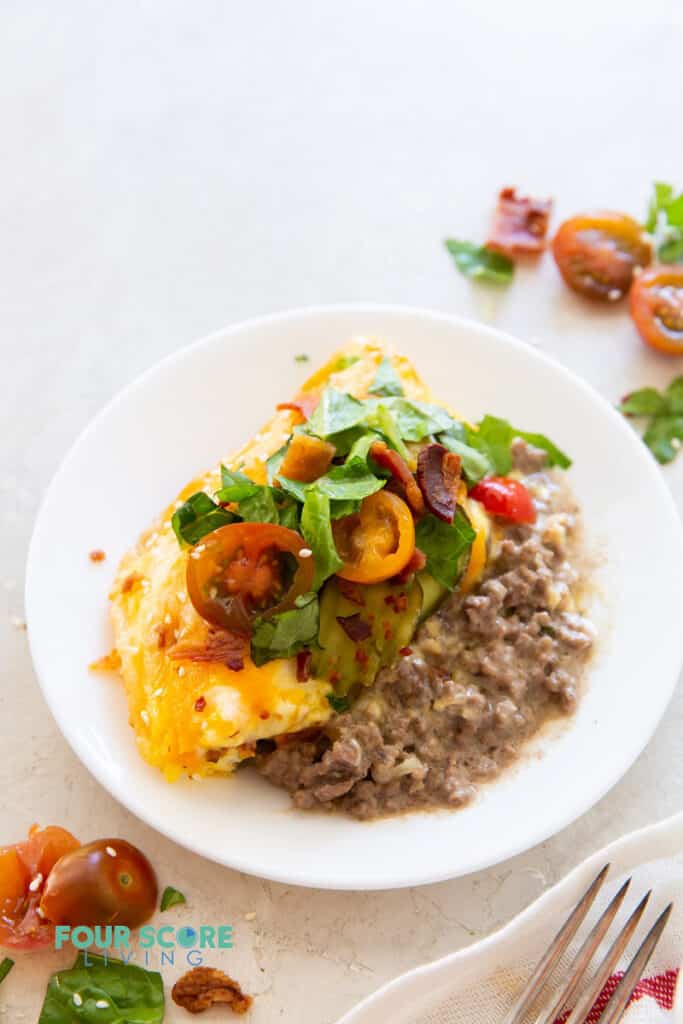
x=520 y=223
x=361 y=656
x=131 y=581
x=203 y=987
x=108 y=663
x=405 y=651
x=399 y=602
x=334 y=678
x=97 y=555
x=355 y=628
x=303 y=666
x=416 y=563
x=438 y=476
x=222 y=648
x=388 y=631
x=388 y=459
x=200 y=703
x=305 y=404
x=353 y=592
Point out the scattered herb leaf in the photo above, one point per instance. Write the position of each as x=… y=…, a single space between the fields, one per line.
x=302 y=358
x=478 y=262
x=171 y=898
x=665 y=222
x=664 y=410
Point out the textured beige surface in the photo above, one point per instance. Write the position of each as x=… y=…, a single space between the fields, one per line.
x=168 y=168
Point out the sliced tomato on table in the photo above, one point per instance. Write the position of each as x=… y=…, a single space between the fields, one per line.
x=598 y=254
x=24 y=870
x=656 y=304
x=505 y=498
x=247 y=570
x=377 y=542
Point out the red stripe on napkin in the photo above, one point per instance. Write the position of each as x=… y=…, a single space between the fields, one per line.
x=661 y=988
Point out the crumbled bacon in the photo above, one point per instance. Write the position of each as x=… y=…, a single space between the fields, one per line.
x=220 y=647
x=388 y=459
x=438 y=476
x=353 y=592
x=200 y=703
x=399 y=602
x=361 y=657
x=355 y=628
x=416 y=563
x=303 y=666
x=203 y=987
x=520 y=223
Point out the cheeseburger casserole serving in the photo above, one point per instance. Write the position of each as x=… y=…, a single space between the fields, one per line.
x=373 y=602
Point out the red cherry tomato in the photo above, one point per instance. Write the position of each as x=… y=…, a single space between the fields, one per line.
x=597 y=253
x=656 y=303
x=244 y=570
x=24 y=869
x=109 y=881
x=506 y=498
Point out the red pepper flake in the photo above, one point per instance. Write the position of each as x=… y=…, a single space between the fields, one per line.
x=416 y=563
x=405 y=651
x=361 y=656
x=353 y=592
x=97 y=555
x=388 y=631
x=303 y=665
x=263 y=715
x=334 y=678
x=355 y=628
x=200 y=703
x=399 y=602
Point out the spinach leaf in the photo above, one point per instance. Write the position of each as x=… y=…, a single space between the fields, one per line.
x=287 y=633
x=417 y=420
x=664 y=412
x=316 y=527
x=446 y=546
x=235 y=486
x=171 y=898
x=493 y=437
x=260 y=507
x=106 y=992
x=665 y=222
x=352 y=481
x=336 y=411
x=274 y=462
x=198 y=516
x=387 y=381
x=478 y=262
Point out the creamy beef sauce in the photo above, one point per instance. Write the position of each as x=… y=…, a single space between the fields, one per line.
x=485 y=672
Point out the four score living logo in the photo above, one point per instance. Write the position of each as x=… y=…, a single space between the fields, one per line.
x=154 y=946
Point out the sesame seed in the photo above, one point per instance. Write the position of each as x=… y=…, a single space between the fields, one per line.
x=613 y=294
x=200 y=548
x=251 y=916
x=110 y=851
x=167 y=618
x=182 y=596
x=158 y=693
x=40 y=913
x=196 y=778
x=36 y=883
x=78 y=999
x=181 y=670
x=144 y=715
x=305 y=553
x=101 y=1004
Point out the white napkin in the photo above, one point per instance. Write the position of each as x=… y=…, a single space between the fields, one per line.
x=653 y=1001
x=478 y=985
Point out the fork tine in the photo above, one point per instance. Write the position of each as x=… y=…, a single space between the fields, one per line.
x=635 y=970
x=585 y=1003
x=583 y=958
x=549 y=960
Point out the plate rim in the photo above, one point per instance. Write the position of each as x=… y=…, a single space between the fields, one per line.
x=551 y=824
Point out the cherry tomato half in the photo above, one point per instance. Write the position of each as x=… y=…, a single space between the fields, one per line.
x=656 y=303
x=597 y=253
x=109 y=881
x=506 y=498
x=244 y=570
x=377 y=542
x=24 y=869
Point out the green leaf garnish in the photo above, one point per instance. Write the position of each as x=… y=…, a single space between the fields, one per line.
x=287 y=633
x=171 y=898
x=478 y=262
x=131 y=994
x=665 y=222
x=344 y=362
x=316 y=527
x=386 y=382
x=338 y=704
x=336 y=411
x=302 y=358
x=494 y=436
x=198 y=516
x=446 y=546
x=664 y=412
x=5 y=967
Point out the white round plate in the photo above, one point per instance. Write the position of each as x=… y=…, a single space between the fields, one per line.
x=179 y=418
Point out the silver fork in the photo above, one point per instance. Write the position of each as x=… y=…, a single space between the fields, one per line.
x=558 y=999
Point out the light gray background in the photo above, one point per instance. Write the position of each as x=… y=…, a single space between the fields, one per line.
x=167 y=168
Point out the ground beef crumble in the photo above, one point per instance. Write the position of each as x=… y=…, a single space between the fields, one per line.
x=484 y=673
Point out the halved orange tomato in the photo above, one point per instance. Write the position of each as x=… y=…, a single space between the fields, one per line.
x=376 y=542
x=656 y=304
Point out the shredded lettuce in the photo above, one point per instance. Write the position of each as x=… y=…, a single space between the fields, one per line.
x=386 y=382
x=316 y=527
